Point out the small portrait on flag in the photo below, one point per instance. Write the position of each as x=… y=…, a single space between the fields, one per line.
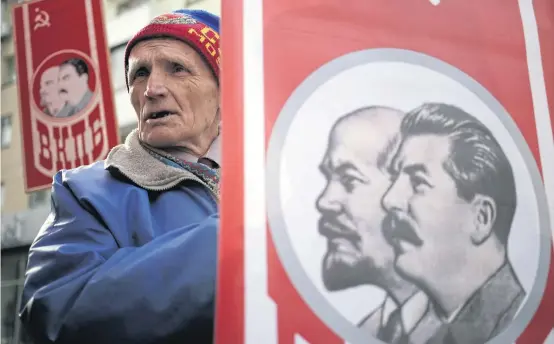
x=64 y=86
x=419 y=200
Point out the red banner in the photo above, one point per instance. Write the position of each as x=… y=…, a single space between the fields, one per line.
x=382 y=123
x=67 y=113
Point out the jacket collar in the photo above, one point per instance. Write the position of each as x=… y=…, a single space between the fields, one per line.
x=135 y=163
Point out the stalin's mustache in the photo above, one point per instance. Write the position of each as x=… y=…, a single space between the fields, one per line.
x=398 y=226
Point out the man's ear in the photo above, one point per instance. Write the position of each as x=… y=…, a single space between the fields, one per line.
x=484 y=217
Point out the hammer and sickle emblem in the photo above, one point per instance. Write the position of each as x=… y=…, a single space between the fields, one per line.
x=42 y=19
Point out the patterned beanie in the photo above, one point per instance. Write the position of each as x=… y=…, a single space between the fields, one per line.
x=197 y=28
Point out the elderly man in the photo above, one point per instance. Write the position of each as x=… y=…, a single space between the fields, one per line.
x=451 y=209
x=361 y=147
x=128 y=254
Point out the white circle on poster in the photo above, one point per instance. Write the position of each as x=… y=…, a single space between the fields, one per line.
x=404 y=86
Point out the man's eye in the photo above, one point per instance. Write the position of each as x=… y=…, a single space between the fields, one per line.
x=177 y=68
x=348 y=182
x=141 y=72
x=418 y=184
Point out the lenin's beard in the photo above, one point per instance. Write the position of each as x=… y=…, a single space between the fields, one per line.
x=343 y=266
x=342 y=272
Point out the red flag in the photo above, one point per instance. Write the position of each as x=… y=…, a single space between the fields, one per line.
x=294 y=72
x=67 y=112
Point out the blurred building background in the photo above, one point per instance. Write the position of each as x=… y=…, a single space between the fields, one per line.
x=23 y=214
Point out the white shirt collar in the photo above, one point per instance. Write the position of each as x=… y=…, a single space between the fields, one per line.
x=213 y=154
x=412 y=310
x=452 y=316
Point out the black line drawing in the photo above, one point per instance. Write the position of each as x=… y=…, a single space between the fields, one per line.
x=421 y=205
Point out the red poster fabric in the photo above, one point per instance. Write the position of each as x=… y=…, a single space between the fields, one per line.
x=489 y=42
x=544 y=10
x=67 y=112
x=229 y=322
x=542 y=324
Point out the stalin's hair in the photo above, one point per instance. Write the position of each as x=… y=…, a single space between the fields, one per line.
x=80 y=65
x=476 y=161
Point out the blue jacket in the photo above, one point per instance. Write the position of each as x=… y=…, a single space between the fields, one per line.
x=127 y=255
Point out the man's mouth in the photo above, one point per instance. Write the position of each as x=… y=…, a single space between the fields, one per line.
x=341 y=244
x=337 y=234
x=157 y=115
x=398 y=228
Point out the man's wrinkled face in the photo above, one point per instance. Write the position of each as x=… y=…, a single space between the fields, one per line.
x=429 y=224
x=49 y=88
x=350 y=207
x=72 y=85
x=174 y=93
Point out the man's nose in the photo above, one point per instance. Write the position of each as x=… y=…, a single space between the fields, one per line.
x=329 y=200
x=395 y=197
x=156 y=87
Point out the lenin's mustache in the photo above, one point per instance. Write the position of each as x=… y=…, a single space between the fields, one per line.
x=331 y=229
